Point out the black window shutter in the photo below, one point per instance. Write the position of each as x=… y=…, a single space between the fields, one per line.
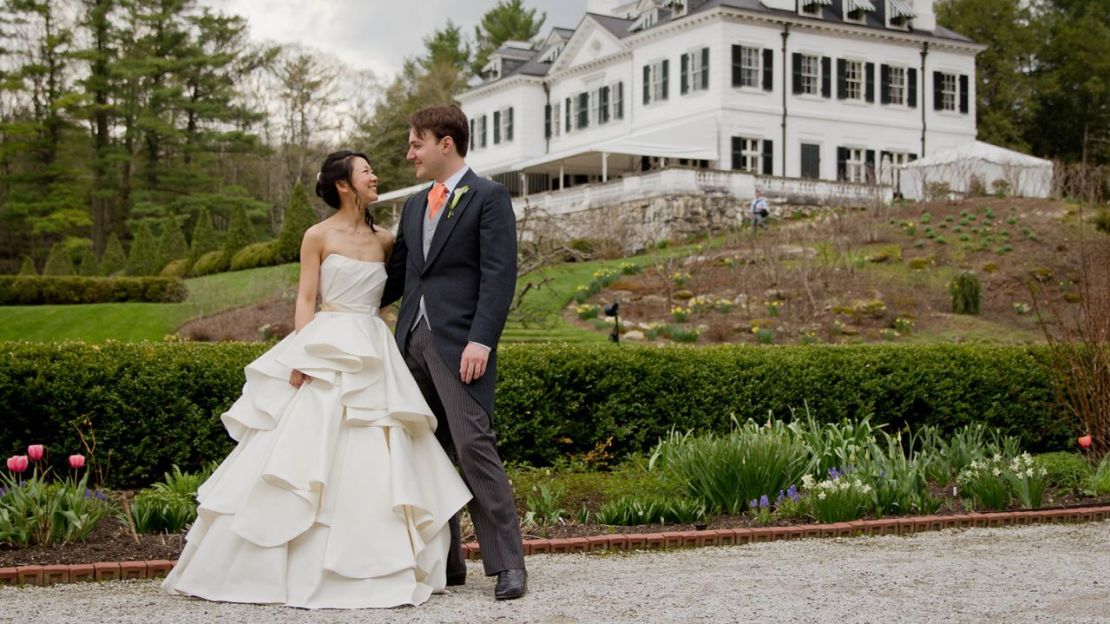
x=869 y=70
x=884 y=84
x=496 y=127
x=768 y=156
x=797 y=70
x=870 y=157
x=566 y=115
x=705 y=68
x=768 y=69
x=938 y=91
x=737 y=156
x=841 y=79
x=583 y=110
x=547 y=121
x=472 y=138
x=647 y=84
x=666 y=78
x=841 y=163
x=603 y=105
x=619 y=112
x=685 y=79
x=963 y=93
x=911 y=83
x=509 y=126
x=826 y=77
x=737 y=65
x=485 y=126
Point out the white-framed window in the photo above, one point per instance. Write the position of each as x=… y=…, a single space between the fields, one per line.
x=616 y=100
x=856 y=165
x=556 y=119
x=949 y=91
x=853 y=80
x=646 y=21
x=552 y=54
x=749 y=156
x=896 y=88
x=656 y=78
x=482 y=131
x=506 y=130
x=595 y=105
x=750 y=66
x=811 y=74
x=695 y=70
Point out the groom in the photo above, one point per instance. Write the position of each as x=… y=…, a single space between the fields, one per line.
x=454 y=261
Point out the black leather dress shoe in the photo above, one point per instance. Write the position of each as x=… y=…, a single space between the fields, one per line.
x=456 y=579
x=511 y=584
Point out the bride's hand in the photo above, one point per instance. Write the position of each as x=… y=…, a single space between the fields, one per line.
x=296 y=378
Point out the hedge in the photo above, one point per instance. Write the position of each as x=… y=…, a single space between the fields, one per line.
x=152 y=405
x=53 y=290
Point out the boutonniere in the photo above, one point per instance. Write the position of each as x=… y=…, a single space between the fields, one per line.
x=459 y=192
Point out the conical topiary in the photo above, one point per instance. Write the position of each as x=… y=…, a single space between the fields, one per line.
x=28 y=269
x=113 y=259
x=86 y=262
x=965 y=291
x=299 y=216
x=204 y=237
x=57 y=263
x=143 y=255
x=171 y=245
x=239 y=233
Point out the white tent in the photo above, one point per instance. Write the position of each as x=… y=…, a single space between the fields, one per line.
x=988 y=165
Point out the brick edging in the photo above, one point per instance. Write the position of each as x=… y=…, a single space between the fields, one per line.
x=122 y=570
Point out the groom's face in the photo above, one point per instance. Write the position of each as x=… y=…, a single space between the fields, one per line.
x=428 y=155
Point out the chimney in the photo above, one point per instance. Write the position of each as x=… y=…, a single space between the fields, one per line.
x=925 y=19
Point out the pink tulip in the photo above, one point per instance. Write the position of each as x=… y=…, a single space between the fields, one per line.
x=76 y=461
x=17 y=463
x=35 y=452
x=1085 y=442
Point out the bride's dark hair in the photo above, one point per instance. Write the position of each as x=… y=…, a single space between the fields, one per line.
x=338 y=166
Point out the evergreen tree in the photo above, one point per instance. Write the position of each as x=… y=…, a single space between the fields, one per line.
x=171 y=244
x=239 y=233
x=58 y=262
x=86 y=261
x=28 y=268
x=143 y=258
x=204 y=237
x=298 y=217
x=508 y=21
x=446 y=46
x=114 y=259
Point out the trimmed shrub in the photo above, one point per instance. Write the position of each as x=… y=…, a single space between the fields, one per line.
x=153 y=405
x=209 y=263
x=61 y=290
x=171 y=245
x=86 y=262
x=176 y=268
x=113 y=260
x=143 y=257
x=204 y=237
x=256 y=255
x=28 y=269
x=239 y=233
x=299 y=216
x=57 y=263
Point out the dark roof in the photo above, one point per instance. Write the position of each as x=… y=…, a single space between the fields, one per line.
x=618 y=26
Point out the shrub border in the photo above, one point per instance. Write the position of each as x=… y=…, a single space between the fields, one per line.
x=123 y=570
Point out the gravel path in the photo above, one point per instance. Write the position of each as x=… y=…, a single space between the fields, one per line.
x=1053 y=573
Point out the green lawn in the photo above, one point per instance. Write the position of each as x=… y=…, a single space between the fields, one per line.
x=144 y=321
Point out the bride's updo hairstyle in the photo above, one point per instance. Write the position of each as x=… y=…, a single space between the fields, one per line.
x=338 y=166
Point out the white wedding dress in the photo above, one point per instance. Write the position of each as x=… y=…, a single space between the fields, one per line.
x=338 y=494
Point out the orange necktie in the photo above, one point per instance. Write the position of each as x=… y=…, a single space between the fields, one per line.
x=436 y=198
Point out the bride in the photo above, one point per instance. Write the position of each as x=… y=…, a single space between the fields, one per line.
x=337 y=494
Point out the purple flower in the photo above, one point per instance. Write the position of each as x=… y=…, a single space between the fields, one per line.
x=792 y=493
x=763 y=502
x=752 y=504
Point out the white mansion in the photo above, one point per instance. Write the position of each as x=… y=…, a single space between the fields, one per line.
x=827 y=89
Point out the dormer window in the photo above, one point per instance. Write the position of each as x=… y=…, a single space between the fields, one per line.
x=898 y=14
x=812 y=8
x=647 y=20
x=678 y=7
x=552 y=54
x=856 y=11
x=492 y=70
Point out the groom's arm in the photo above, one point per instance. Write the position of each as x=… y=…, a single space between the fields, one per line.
x=497 y=258
x=395 y=268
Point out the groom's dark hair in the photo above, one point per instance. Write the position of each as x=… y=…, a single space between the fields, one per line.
x=442 y=121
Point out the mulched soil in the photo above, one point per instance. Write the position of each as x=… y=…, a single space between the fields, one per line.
x=113 y=541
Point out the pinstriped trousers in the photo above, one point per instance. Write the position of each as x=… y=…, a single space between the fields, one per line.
x=466 y=432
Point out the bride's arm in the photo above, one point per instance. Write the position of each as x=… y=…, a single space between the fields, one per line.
x=312 y=251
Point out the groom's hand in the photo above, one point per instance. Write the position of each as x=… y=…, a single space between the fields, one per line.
x=473 y=365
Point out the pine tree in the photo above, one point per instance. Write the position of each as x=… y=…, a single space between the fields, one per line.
x=298 y=217
x=171 y=245
x=144 y=254
x=58 y=262
x=204 y=237
x=114 y=259
x=239 y=233
x=508 y=21
x=86 y=261
x=28 y=269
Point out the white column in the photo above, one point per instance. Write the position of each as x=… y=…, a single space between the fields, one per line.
x=524 y=184
x=561 y=177
x=605 y=166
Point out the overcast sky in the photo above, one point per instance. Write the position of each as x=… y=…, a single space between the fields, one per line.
x=376 y=34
